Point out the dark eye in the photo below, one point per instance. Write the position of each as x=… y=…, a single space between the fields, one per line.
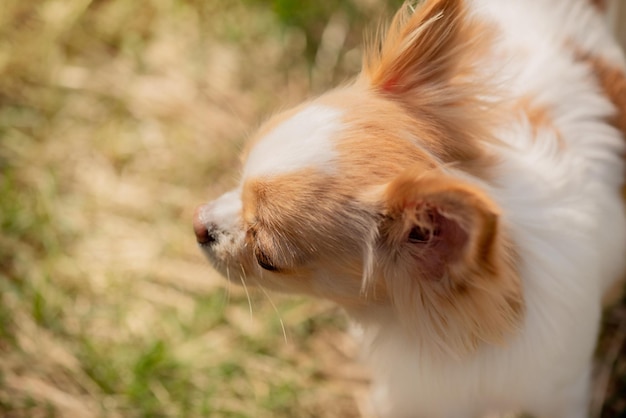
x=419 y=235
x=264 y=261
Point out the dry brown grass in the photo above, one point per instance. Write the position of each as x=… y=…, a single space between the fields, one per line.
x=117 y=118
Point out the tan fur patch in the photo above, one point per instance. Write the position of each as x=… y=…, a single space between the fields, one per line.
x=473 y=293
x=612 y=80
x=539 y=118
x=380 y=139
x=427 y=63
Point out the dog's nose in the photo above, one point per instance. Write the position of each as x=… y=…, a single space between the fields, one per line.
x=204 y=234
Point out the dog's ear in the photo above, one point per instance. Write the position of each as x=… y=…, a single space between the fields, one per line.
x=428 y=62
x=449 y=269
x=422 y=47
x=448 y=226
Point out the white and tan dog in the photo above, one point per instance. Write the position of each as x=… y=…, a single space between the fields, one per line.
x=461 y=199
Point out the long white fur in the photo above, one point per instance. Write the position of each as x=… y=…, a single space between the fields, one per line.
x=562 y=204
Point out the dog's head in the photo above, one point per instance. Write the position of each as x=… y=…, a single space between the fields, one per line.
x=367 y=194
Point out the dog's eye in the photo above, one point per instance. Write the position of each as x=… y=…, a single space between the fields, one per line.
x=419 y=235
x=263 y=260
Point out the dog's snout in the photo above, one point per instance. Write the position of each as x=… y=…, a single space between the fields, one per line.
x=217 y=219
x=205 y=234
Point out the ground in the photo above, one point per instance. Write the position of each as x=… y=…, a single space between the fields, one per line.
x=117 y=118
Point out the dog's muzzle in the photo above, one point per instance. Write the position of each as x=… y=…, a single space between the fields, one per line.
x=206 y=231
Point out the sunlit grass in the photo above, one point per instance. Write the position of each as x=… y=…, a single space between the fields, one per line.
x=116 y=119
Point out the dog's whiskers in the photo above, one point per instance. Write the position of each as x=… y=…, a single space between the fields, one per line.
x=228 y=287
x=245 y=288
x=280 y=319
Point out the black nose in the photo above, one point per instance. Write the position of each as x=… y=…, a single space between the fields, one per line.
x=204 y=235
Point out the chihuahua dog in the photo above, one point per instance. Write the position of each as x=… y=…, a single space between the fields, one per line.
x=461 y=199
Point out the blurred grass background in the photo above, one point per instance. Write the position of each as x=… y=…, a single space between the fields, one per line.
x=117 y=117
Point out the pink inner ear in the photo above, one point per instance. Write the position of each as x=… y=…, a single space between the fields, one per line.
x=390 y=85
x=446 y=247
